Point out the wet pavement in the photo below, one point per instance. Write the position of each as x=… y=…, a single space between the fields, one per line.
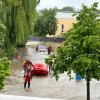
x=47 y=86
x=14 y=97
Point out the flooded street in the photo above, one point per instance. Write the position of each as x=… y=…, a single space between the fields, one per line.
x=47 y=86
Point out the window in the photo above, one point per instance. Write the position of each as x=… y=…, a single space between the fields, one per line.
x=62 y=26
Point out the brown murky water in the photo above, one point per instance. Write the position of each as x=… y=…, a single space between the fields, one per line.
x=47 y=86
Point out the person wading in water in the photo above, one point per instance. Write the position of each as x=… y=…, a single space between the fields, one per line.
x=27 y=77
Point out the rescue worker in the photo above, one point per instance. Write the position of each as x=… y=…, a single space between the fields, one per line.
x=49 y=50
x=37 y=48
x=17 y=56
x=50 y=65
x=27 y=77
x=26 y=64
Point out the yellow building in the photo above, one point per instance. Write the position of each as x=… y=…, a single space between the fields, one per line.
x=64 y=22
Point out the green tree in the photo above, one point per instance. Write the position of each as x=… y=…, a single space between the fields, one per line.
x=4 y=62
x=68 y=9
x=18 y=17
x=46 y=23
x=5 y=66
x=65 y=9
x=80 y=52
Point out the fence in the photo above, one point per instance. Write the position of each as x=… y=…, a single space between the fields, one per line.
x=47 y=39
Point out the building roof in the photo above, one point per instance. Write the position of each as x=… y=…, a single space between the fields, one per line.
x=64 y=15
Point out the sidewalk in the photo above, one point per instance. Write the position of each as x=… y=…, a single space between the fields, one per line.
x=13 y=97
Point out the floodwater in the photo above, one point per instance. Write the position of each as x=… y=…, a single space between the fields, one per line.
x=47 y=86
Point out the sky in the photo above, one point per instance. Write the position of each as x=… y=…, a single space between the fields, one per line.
x=62 y=3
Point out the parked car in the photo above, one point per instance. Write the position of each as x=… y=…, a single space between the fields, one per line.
x=41 y=48
x=39 y=69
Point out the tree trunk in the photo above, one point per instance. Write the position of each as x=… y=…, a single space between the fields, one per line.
x=88 y=89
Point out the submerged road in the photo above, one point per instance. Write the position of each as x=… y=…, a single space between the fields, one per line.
x=47 y=86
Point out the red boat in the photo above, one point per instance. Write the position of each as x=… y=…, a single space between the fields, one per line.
x=39 y=69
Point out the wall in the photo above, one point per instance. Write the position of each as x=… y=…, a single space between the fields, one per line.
x=66 y=22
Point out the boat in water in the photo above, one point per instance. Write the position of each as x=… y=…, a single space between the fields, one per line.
x=39 y=69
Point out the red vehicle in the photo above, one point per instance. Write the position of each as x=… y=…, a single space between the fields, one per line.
x=39 y=69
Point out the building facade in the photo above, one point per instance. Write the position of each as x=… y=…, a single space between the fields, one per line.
x=64 y=22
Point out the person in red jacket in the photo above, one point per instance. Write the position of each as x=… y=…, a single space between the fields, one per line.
x=27 y=77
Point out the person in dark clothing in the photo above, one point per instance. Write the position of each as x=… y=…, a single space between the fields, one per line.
x=27 y=77
x=49 y=50
x=37 y=48
x=50 y=66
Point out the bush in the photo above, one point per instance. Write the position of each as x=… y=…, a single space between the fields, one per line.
x=4 y=70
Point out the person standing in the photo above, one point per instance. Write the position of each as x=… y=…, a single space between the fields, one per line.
x=50 y=66
x=17 y=56
x=27 y=77
x=49 y=50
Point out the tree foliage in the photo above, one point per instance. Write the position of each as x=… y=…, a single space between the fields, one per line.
x=4 y=62
x=80 y=52
x=4 y=70
x=18 y=17
x=66 y=9
x=81 y=49
x=46 y=23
